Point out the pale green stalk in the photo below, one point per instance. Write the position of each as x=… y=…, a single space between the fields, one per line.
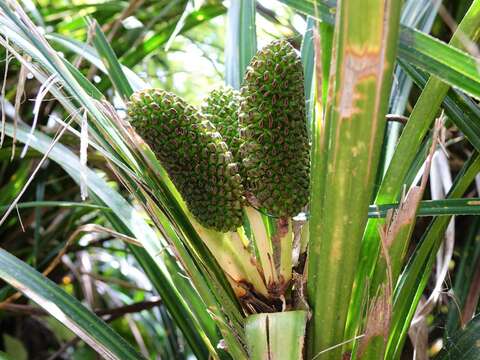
x=234 y=258
x=286 y=248
x=263 y=244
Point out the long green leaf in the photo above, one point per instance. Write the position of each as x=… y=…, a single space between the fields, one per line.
x=470 y=206
x=448 y=63
x=462 y=110
x=110 y=60
x=63 y=204
x=324 y=9
x=308 y=59
x=65 y=308
x=241 y=40
x=90 y=54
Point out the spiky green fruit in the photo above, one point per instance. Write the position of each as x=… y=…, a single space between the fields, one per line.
x=194 y=155
x=275 y=149
x=221 y=108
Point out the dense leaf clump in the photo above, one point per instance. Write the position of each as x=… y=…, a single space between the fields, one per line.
x=275 y=149
x=194 y=154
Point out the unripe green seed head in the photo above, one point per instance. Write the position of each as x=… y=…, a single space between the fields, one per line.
x=220 y=107
x=275 y=149
x=193 y=153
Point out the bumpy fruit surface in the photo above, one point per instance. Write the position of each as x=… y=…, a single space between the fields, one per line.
x=194 y=155
x=221 y=108
x=275 y=149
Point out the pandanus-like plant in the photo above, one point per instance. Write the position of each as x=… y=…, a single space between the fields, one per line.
x=252 y=214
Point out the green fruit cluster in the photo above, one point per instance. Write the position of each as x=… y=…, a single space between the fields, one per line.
x=221 y=108
x=194 y=155
x=262 y=128
x=275 y=149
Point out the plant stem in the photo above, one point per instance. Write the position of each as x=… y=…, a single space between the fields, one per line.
x=350 y=137
x=286 y=248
